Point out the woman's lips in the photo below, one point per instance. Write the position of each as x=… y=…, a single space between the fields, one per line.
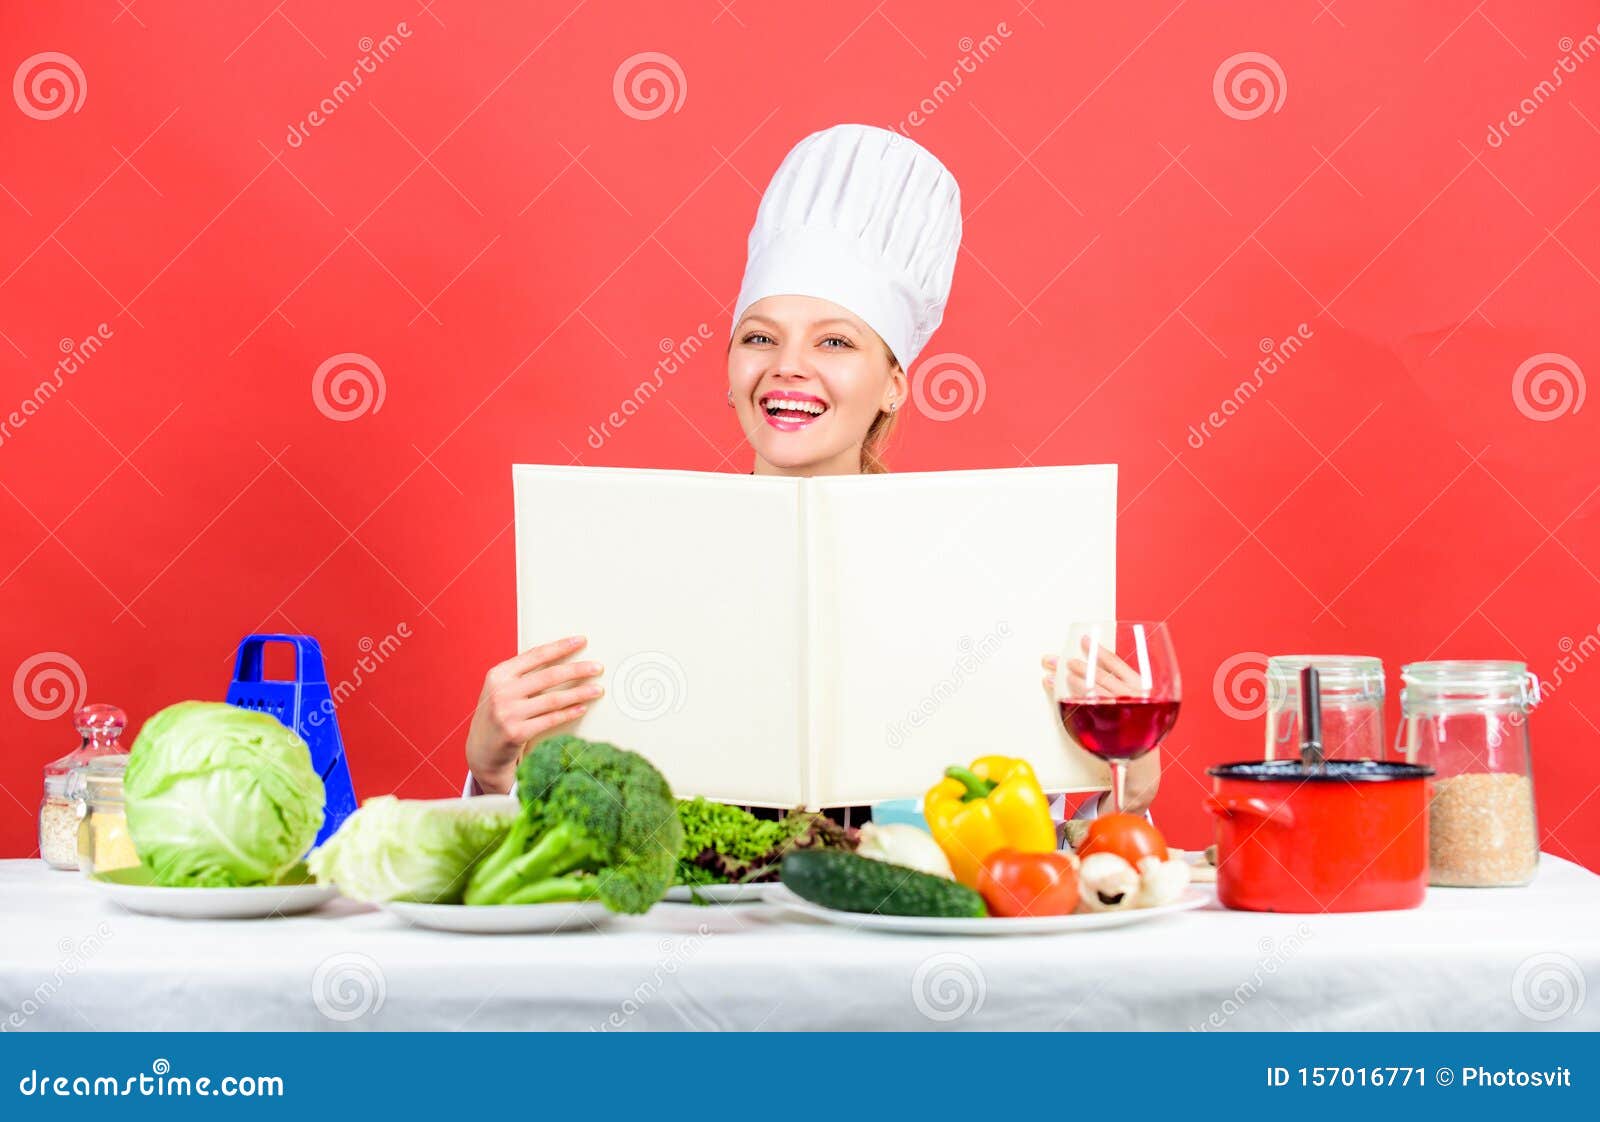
x=789 y=411
x=787 y=422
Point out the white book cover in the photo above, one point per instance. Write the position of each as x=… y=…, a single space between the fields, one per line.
x=780 y=642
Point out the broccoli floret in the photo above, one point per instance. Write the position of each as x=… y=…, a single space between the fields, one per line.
x=597 y=823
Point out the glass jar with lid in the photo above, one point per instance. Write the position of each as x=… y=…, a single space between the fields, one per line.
x=1468 y=720
x=103 y=839
x=100 y=729
x=1352 y=706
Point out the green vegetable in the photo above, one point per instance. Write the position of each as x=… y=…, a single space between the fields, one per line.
x=851 y=883
x=717 y=829
x=416 y=850
x=219 y=796
x=728 y=845
x=597 y=823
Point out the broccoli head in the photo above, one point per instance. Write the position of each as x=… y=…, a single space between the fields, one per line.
x=597 y=822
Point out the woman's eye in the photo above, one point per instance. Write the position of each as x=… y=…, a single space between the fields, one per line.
x=757 y=337
x=837 y=342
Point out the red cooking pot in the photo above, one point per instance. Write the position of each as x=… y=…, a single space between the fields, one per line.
x=1339 y=836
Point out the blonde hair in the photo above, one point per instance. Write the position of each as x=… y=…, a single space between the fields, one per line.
x=877 y=438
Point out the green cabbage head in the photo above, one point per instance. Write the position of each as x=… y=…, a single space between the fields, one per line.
x=415 y=850
x=219 y=796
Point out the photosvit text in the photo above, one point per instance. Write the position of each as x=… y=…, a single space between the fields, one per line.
x=1393 y=1076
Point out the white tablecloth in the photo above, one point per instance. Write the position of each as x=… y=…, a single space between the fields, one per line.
x=1468 y=959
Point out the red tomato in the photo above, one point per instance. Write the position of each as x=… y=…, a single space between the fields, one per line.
x=1013 y=883
x=1129 y=836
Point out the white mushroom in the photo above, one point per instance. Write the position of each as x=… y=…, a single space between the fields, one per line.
x=1107 y=883
x=1161 y=882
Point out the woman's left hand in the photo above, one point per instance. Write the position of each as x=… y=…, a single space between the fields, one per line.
x=1114 y=676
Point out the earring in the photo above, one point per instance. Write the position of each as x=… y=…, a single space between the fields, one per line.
x=730 y=399
x=893 y=405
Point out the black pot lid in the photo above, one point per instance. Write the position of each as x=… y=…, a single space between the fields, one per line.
x=1343 y=771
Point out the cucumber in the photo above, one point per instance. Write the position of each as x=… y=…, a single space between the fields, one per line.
x=847 y=882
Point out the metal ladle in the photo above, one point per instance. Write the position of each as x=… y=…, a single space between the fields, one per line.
x=1311 y=755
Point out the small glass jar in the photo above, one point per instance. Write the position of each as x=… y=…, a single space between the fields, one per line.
x=1469 y=722
x=103 y=839
x=58 y=824
x=100 y=729
x=1351 y=687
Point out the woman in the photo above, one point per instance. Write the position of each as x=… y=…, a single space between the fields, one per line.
x=850 y=262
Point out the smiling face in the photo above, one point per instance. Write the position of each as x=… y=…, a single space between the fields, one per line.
x=808 y=380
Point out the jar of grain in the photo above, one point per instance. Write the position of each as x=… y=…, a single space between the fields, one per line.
x=100 y=729
x=58 y=824
x=104 y=843
x=1468 y=720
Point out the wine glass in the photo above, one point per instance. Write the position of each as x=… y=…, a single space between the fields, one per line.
x=1118 y=688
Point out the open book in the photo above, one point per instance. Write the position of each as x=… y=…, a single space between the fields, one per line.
x=826 y=641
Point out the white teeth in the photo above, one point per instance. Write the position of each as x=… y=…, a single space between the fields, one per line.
x=775 y=405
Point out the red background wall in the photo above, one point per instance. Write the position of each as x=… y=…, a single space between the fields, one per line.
x=483 y=221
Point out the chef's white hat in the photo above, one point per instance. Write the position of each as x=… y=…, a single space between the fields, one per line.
x=867 y=219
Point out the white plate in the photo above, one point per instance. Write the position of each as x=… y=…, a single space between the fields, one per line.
x=501 y=919
x=717 y=893
x=1027 y=925
x=133 y=890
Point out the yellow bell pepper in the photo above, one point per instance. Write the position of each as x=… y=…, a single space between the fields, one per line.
x=995 y=804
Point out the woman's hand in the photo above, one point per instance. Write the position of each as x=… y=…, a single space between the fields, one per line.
x=523 y=698
x=1115 y=677
x=1112 y=675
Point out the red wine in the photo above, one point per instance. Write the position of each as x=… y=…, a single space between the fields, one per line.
x=1124 y=729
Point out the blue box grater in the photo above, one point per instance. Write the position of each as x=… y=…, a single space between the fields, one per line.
x=305 y=704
